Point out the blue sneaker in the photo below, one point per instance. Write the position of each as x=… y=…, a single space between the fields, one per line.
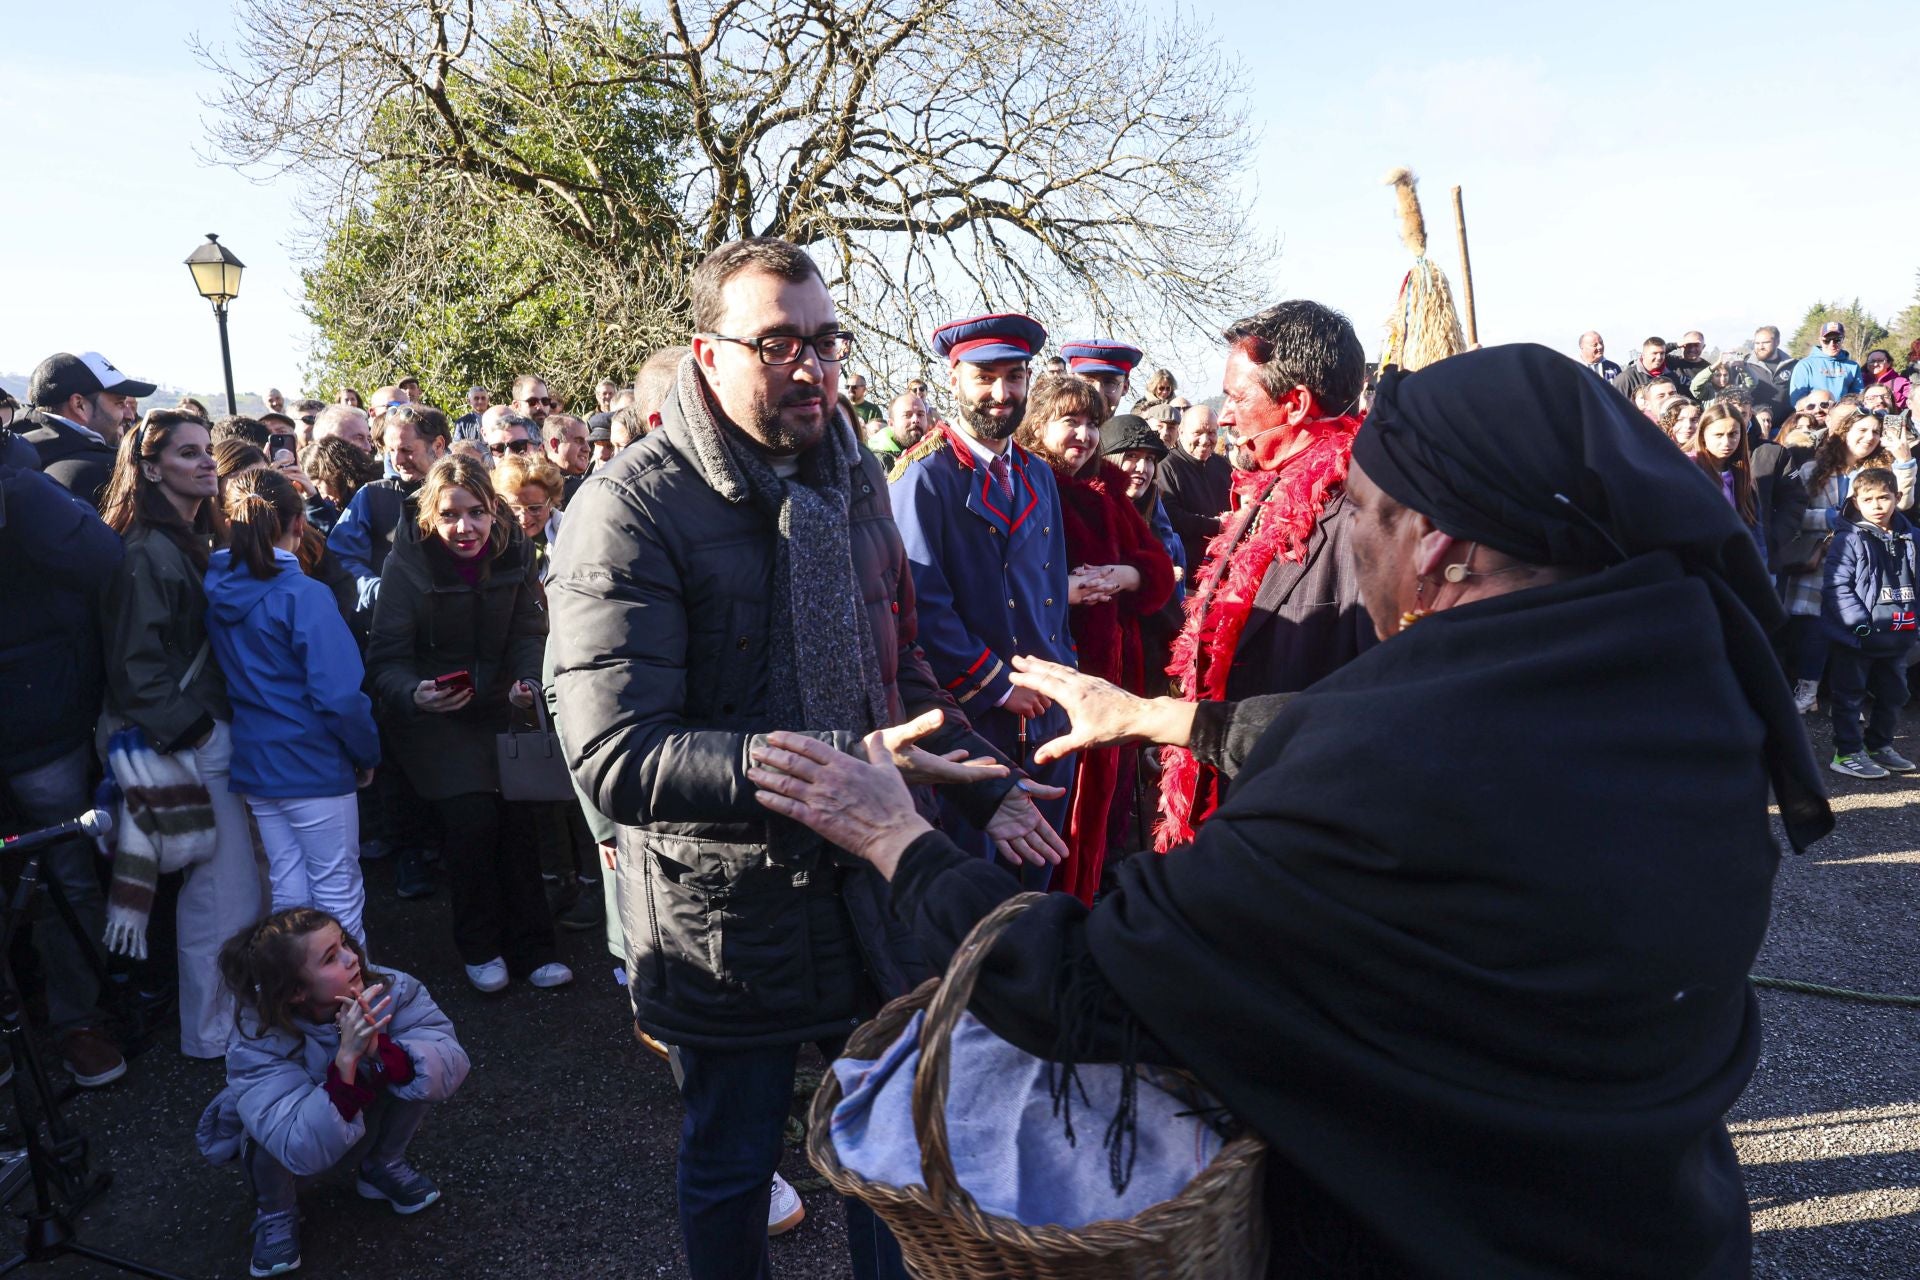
x=399 y=1184
x=276 y=1243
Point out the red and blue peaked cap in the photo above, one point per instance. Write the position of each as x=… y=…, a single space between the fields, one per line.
x=1101 y=355
x=984 y=339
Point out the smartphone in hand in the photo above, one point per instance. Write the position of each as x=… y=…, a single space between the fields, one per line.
x=454 y=682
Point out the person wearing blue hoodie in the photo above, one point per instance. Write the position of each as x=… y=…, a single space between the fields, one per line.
x=1869 y=615
x=303 y=733
x=1827 y=367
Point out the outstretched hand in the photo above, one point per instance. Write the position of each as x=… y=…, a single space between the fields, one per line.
x=921 y=767
x=1020 y=833
x=1101 y=714
x=863 y=807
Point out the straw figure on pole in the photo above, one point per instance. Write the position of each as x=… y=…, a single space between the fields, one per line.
x=1424 y=327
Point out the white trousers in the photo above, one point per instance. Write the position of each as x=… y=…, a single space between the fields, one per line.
x=218 y=898
x=313 y=855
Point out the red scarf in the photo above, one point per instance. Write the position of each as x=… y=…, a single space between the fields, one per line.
x=1288 y=503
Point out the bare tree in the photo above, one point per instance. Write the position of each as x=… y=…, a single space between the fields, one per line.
x=937 y=155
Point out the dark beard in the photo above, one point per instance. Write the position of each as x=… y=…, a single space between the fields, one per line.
x=984 y=426
x=777 y=436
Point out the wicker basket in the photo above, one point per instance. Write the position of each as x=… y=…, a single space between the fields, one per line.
x=1215 y=1228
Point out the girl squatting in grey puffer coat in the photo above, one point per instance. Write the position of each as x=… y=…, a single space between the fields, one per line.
x=308 y=1091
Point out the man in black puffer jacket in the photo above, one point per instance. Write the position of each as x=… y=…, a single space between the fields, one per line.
x=736 y=572
x=55 y=556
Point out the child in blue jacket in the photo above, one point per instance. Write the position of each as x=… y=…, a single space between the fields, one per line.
x=329 y=1065
x=1868 y=610
x=303 y=733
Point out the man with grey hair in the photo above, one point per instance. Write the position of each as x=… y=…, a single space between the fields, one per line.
x=1196 y=483
x=276 y=403
x=603 y=393
x=347 y=422
x=565 y=440
x=467 y=425
x=503 y=432
x=1593 y=354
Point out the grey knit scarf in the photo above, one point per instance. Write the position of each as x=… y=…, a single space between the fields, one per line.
x=825 y=671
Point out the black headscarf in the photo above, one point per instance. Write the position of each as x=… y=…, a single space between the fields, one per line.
x=1522 y=450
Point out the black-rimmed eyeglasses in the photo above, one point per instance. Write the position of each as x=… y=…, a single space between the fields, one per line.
x=783 y=348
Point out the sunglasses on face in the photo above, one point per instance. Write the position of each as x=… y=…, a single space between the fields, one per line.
x=510 y=446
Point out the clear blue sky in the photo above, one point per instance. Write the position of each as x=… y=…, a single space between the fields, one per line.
x=1636 y=173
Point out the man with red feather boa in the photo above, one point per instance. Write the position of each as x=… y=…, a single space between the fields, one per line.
x=1277 y=604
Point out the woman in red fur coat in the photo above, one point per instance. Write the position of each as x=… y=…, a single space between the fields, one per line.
x=1119 y=573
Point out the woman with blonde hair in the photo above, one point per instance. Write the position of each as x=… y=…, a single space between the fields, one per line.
x=164 y=682
x=458 y=635
x=532 y=486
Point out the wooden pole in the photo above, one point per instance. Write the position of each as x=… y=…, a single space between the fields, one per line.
x=1466 y=270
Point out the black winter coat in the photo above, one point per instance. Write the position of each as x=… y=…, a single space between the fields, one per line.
x=428 y=622
x=76 y=462
x=661 y=594
x=153 y=620
x=1446 y=1001
x=1307 y=619
x=1196 y=494
x=55 y=556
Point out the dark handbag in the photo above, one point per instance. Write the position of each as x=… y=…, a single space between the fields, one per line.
x=1807 y=553
x=531 y=766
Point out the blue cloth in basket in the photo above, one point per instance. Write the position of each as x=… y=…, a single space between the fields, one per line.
x=1010 y=1150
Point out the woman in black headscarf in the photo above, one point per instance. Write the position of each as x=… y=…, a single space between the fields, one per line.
x=1468 y=944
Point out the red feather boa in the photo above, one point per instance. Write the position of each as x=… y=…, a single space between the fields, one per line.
x=1288 y=503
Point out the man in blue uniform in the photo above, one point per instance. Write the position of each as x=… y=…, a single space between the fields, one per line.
x=981 y=521
x=1105 y=363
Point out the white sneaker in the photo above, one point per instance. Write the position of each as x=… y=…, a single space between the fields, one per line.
x=551 y=975
x=1805 y=694
x=489 y=977
x=784 y=1210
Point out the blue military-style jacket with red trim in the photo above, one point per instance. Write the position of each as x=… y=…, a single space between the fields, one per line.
x=991 y=582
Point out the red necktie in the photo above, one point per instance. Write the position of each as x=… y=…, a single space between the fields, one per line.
x=1003 y=478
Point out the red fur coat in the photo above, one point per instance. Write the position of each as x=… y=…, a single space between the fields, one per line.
x=1103 y=528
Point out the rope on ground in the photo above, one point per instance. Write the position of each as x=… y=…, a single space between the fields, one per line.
x=1833 y=993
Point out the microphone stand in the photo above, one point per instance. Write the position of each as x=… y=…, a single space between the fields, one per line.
x=57 y=1161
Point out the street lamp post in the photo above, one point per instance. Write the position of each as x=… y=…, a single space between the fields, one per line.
x=216 y=274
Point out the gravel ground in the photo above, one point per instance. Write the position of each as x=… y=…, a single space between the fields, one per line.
x=557 y=1157
x=1829 y=1130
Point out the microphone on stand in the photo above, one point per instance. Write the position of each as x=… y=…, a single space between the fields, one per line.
x=94 y=822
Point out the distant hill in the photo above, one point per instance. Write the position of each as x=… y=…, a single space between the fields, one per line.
x=246 y=402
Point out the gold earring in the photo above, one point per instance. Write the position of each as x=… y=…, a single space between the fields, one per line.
x=1416 y=613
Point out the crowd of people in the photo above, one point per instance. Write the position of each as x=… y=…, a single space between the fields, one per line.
x=1801 y=447
x=292 y=643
